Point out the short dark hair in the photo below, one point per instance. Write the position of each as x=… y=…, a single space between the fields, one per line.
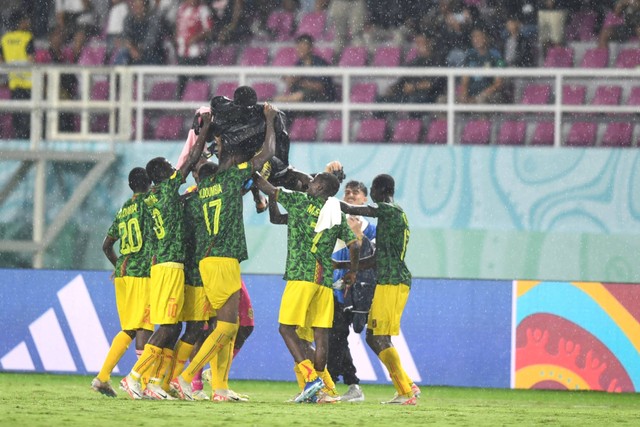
x=206 y=170
x=385 y=184
x=307 y=38
x=330 y=182
x=358 y=185
x=139 y=181
x=16 y=17
x=245 y=96
x=156 y=169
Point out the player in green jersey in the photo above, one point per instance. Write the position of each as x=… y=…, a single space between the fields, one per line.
x=220 y=194
x=163 y=206
x=131 y=279
x=394 y=282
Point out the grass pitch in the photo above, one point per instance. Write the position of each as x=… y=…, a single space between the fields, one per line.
x=57 y=400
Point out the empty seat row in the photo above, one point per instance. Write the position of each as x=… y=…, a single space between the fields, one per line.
x=563 y=57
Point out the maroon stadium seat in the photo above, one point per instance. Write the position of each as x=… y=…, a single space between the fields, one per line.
x=386 y=56
x=197 y=90
x=364 y=92
x=628 y=58
x=226 y=89
x=313 y=24
x=372 y=130
x=280 y=24
x=42 y=56
x=559 y=57
x=512 y=133
x=582 y=134
x=607 y=95
x=286 y=56
x=325 y=53
x=353 y=56
x=535 y=94
x=169 y=127
x=437 y=133
x=407 y=130
x=99 y=91
x=543 y=134
x=222 y=55
x=254 y=57
x=6 y=126
x=476 y=132
x=266 y=91
x=333 y=131
x=92 y=55
x=573 y=94
x=596 y=58
x=618 y=134
x=304 y=129
x=634 y=96
x=582 y=25
x=164 y=91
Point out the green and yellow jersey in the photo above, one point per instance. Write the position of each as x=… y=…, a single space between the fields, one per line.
x=391 y=245
x=127 y=227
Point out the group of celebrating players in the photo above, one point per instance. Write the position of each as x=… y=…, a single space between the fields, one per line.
x=180 y=261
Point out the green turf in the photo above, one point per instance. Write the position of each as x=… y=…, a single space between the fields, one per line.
x=57 y=400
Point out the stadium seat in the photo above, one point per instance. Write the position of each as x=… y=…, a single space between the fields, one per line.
x=266 y=91
x=634 y=96
x=304 y=129
x=42 y=56
x=197 y=90
x=222 y=56
x=226 y=89
x=313 y=24
x=628 y=58
x=411 y=54
x=169 y=127
x=437 y=133
x=582 y=134
x=582 y=26
x=573 y=94
x=364 y=92
x=325 y=53
x=407 y=130
x=617 y=134
x=92 y=55
x=476 y=132
x=372 y=130
x=286 y=56
x=333 y=131
x=99 y=123
x=353 y=56
x=386 y=56
x=164 y=91
x=5 y=93
x=595 y=58
x=512 y=133
x=536 y=94
x=543 y=134
x=99 y=91
x=607 y=95
x=254 y=57
x=6 y=126
x=559 y=57
x=280 y=25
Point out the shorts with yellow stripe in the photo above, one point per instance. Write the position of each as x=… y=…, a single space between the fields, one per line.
x=306 y=304
x=196 y=305
x=386 y=309
x=132 y=302
x=221 y=279
x=166 y=293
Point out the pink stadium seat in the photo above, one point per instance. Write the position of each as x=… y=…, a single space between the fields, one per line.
x=582 y=25
x=353 y=56
x=543 y=134
x=476 y=132
x=100 y=91
x=169 y=127
x=535 y=94
x=226 y=89
x=304 y=129
x=364 y=92
x=92 y=55
x=163 y=91
x=254 y=57
x=559 y=57
x=573 y=94
x=6 y=126
x=5 y=93
x=607 y=95
x=42 y=56
x=280 y=24
x=313 y=24
x=617 y=134
x=99 y=123
x=596 y=58
x=407 y=130
x=325 y=53
x=286 y=56
x=634 y=96
x=386 y=56
x=333 y=131
x=372 y=130
x=512 y=133
x=411 y=54
x=197 y=90
x=437 y=133
x=266 y=91
x=628 y=58
x=582 y=134
x=222 y=55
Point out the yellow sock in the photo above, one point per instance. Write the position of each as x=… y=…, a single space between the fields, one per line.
x=391 y=359
x=307 y=370
x=299 y=377
x=220 y=381
x=149 y=356
x=118 y=347
x=163 y=363
x=329 y=385
x=180 y=356
x=219 y=338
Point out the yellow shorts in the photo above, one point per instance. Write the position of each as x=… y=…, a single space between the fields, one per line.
x=386 y=309
x=166 y=293
x=196 y=305
x=221 y=278
x=306 y=304
x=132 y=301
x=305 y=334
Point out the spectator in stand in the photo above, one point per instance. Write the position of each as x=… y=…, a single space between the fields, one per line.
x=308 y=88
x=413 y=90
x=450 y=25
x=347 y=17
x=115 y=26
x=68 y=89
x=77 y=18
x=143 y=36
x=16 y=48
x=235 y=22
x=194 y=24
x=481 y=89
x=518 y=49
x=623 y=24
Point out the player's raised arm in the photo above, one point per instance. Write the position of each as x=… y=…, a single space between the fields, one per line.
x=362 y=210
x=196 y=151
x=269 y=146
x=107 y=248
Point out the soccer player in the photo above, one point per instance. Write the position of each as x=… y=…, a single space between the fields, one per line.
x=220 y=195
x=307 y=300
x=394 y=282
x=163 y=206
x=131 y=279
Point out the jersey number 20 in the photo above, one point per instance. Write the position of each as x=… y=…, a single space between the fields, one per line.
x=130 y=236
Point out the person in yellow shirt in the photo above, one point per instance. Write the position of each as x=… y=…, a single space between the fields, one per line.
x=16 y=48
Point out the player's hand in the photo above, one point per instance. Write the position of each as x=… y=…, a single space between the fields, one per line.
x=333 y=166
x=269 y=112
x=206 y=120
x=355 y=223
x=349 y=278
